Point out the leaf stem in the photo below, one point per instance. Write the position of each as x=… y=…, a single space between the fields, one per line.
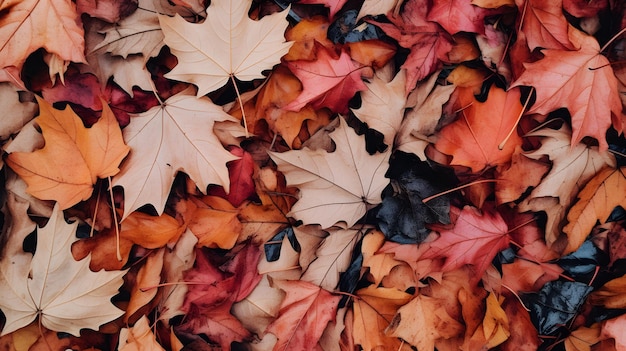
x=519 y=117
x=426 y=199
x=613 y=39
x=243 y=112
x=118 y=254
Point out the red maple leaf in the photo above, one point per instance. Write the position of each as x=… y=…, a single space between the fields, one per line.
x=475 y=239
x=327 y=82
x=428 y=42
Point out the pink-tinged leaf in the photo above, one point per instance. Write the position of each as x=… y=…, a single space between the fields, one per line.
x=614 y=328
x=475 y=239
x=581 y=81
x=428 y=43
x=584 y=8
x=458 y=16
x=327 y=82
x=544 y=24
x=81 y=89
x=303 y=315
x=108 y=10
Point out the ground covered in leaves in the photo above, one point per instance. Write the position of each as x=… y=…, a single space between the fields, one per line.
x=313 y=175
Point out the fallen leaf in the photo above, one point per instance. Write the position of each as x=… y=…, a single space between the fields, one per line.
x=303 y=315
x=472 y=141
x=614 y=328
x=583 y=338
x=21 y=111
x=143 y=291
x=373 y=311
x=210 y=63
x=28 y=25
x=183 y=129
x=318 y=173
x=327 y=81
x=458 y=16
x=544 y=24
x=581 y=83
x=44 y=291
x=138 y=337
x=596 y=201
x=611 y=294
x=428 y=313
x=73 y=157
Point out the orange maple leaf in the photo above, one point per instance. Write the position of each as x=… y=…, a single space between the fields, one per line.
x=477 y=138
x=73 y=157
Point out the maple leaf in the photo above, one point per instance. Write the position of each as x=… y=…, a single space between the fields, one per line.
x=45 y=291
x=73 y=157
x=458 y=16
x=581 y=81
x=595 y=202
x=209 y=63
x=138 y=337
x=373 y=311
x=383 y=103
x=378 y=7
x=319 y=174
x=303 y=315
x=21 y=111
x=544 y=24
x=140 y=33
x=327 y=82
x=572 y=168
x=475 y=239
x=108 y=10
x=333 y=256
x=182 y=130
x=428 y=43
x=474 y=142
x=28 y=25
x=333 y=5
x=430 y=314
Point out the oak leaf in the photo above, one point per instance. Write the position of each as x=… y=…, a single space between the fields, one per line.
x=303 y=315
x=581 y=81
x=73 y=157
x=352 y=177
x=175 y=136
x=596 y=201
x=327 y=81
x=474 y=139
x=27 y=25
x=45 y=290
x=227 y=45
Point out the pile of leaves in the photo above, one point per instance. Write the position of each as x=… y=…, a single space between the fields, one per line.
x=313 y=175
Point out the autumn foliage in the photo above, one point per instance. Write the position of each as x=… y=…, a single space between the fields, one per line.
x=313 y=175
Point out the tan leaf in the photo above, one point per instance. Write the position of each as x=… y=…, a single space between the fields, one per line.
x=227 y=44
x=46 y=291
x=383 y=103
x=138 y=337
x=353 y=178
x=143 y=291
x=176 y=136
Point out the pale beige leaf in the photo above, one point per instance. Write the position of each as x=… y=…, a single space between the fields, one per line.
x=175 y=262
x=420 y=122
x=260 y=308
x=286 y=267
x=18 y=108
x=138 y=338
x=572 y=168
x=333 y=257
x=228 y=43
x=176 y=136
x=65 y=294
x=140 y=33
x=378 y=7
x=309 y=237
x=382 y=104
x=351 y=177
